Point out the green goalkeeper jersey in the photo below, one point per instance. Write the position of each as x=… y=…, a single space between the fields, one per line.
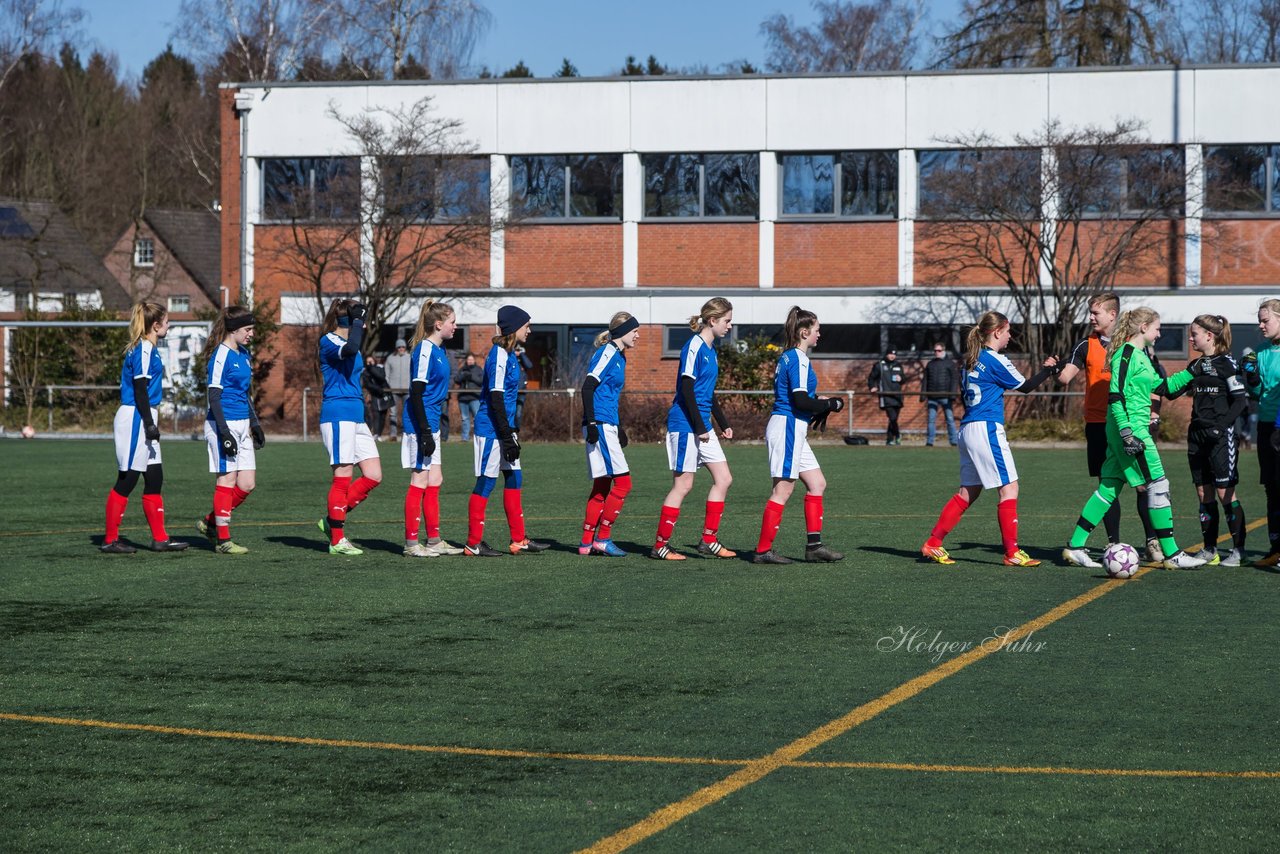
x=1133 y=380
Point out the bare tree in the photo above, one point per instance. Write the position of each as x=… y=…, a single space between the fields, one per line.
x=881 y=35
x=31 y=27
x=1063 y=215
x=252 y=40
x=438 y=35
x=1231 y=31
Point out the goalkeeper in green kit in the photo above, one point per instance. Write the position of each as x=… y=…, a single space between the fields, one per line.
x=1131 y=453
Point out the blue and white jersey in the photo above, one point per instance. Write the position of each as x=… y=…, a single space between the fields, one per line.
x=609 y=366
x=230 y=370
x=698 y=360
x=792 y=374
x=501 y=373
x=985 y=385
x=142 y=362
x=428 y=364
x=343 y=397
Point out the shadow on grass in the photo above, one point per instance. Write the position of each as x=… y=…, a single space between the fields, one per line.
x=311 y=544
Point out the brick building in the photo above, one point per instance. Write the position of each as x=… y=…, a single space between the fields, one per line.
x=652 y=194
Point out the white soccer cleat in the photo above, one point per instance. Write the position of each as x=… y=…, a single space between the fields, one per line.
x=1080 y=557
x=416 y=549
x=1155 y=554
x=1182 y=560
x=1233 y=558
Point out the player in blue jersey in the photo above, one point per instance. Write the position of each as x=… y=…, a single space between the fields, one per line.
x=429 y=373
x=691 y=441
x=497 y=446
x=137 y=434
x=347 y=439
x=231 y=428
x=795 y=405
x=985 y=458
x=602 y=428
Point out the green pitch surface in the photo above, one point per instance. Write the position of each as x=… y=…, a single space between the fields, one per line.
x=287 y=699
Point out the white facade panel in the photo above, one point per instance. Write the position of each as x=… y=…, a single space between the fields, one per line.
x=698 y=115
x=1001 y=106
x=1237 y=105
x=562 y=118
x=836 y=113
x=1102 y=99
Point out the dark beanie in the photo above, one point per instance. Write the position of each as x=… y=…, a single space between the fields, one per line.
x=511 y=318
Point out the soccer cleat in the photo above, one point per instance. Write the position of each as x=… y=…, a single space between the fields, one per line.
x=168 y=546
x=527 y=546
x=1020 y=558
x=821 y=554
x=771 y=557
x=227 y=547
x=115 y=547
x=323 y=525
x=584 y=550
x=344 y=547
x=1233 y=558
x=716 y=549
x=1080 y=557
x=1182 y=560
x=1155 y=554
x=207 y=529
x=443 y=548
x=1271 y=561
x=937 y=554
x=481 y=550
x=418 y=550
x=665 y=553
x=1209 y=556
x=607 y=548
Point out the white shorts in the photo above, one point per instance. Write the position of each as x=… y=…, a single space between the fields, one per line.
x=409 y=456
x=133 y=451
x=788 y=442
x=348 y=442
x=489 y=461
x=985 y=457
x=605 y=458
x=685 y=453
x=244 y=460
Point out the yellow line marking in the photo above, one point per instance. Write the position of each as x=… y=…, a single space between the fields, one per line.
x=632 y=758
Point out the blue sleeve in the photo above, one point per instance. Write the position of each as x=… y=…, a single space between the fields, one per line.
x=1003 y=373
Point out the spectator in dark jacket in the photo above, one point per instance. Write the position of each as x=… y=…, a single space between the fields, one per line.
x=937 y=388
x=526 y=365
x=886 y=377
x=380 y=399
x=469 y=379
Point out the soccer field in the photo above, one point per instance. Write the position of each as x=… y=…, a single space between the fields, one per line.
x=289 y=699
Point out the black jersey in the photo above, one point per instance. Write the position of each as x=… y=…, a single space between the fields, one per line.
x=1218 y=394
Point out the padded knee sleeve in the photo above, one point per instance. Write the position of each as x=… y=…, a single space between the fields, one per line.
x=1158 y=494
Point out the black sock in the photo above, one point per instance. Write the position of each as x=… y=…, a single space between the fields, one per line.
x=1111 y=521
x=1144 y=513
x=1235 y=524
x=1209 y=524
x=813 y=540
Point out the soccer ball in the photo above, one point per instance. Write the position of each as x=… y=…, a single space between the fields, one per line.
x=28 y=432
x=1120 y=560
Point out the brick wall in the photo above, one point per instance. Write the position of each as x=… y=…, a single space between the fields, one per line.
x=835 y=254
x=159 y=282
x=1241 y=252
x=699 y=254
x=564 y=256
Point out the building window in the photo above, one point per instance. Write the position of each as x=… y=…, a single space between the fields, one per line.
x=978 y=183
x=1133 y=180
x=701 y=185
x=1243 y=178
x=179 y=304
x=862 y=183
x=580 y=186
x=422 y=189
x=23 y=296
x=144 y=252
x=315 y=189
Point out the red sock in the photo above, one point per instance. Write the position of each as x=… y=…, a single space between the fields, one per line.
x=769 y=526
x=666 y=524
x=359 y=491
x=595 y=509
x=337 y=512
x=813 y=514
x=222 y=499
x=613 y=505
x=475 y=519
x=711 y=525
x=238 y=496
x=515 y=513
x=431 y=511
x=1007 y=512
x=412 y=511
x=116 y=503
x=951 y=513
x=153 y=508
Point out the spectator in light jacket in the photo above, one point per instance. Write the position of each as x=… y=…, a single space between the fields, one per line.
x=469 y=380
x=397 y=369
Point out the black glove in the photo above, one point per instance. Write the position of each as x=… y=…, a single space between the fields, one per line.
x=426 y=444
x=228 y=444
x=835 y=404
x=623 y=441
x=259 y=437
x=511 y=448
x=1132 y=444
x=819 y=422
x=152 y=431
x=356 y=311
x=593 y=432
x=1275 y=440
x=1249 y=367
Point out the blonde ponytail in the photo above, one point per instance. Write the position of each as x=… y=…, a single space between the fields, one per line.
x=713 y=309
x=1129 y=324
x=989 y=323
x=433 y=312
x=144 y=316
x=604 y=337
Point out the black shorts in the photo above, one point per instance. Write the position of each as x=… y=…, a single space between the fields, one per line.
x=1267 y=458
x=1214 y=459
x=1095 y=437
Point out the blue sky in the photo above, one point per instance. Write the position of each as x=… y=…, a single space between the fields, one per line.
x=596 y=36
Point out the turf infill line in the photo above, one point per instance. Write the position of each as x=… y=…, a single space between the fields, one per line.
x=501 y=753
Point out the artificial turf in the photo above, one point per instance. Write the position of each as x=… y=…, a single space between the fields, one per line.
x=557 y=653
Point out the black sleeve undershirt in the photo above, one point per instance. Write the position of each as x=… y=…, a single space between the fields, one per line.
x=690 y=401
x=589 y=399
x=417 y=389
x=142 y=399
